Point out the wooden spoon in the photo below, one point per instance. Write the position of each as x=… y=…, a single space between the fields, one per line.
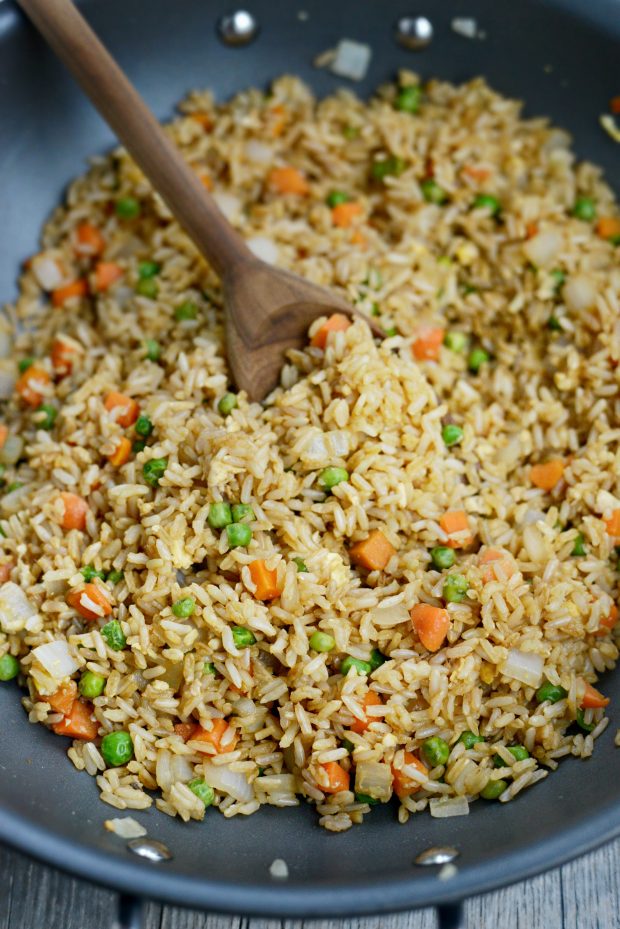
x=268 y=310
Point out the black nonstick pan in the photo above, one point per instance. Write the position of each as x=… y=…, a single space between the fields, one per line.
x=561 y=57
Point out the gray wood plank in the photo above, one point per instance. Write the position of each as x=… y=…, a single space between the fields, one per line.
x=591 y=890
x=535 y=904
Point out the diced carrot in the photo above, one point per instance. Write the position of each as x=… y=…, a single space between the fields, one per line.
x=608 y=622
x=592 y=699
x=89 y=601
x=403 y=785
x=88 y=240
x=63 y=699
x=373 y=552
x=75 y=510
x=206 y=180
x=426 y=345
x=358 y=238
x=5 y=571
x=278 y=116
x=343 y=214
x=125 y=409
x=288 y=180
x=608 y=227
x=121 y=454
x=215 y=737
x=614 y=105
x=265 y=581
x=204 y=119
x=61 y=355
x=4 y=432
x=106 y=273
x=613 y=524
x=336 y=323
x=547 y=475
x=78 y=723
x=77 y=288
x=30 y=385
x=531 y=229
x=371 y=699
x=496 y=559
x=453 y=522
x=185 y=730
x=337 y=778
x=477 y=173
x=431 y=625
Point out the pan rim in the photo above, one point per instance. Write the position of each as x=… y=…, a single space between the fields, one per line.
x=289 y=900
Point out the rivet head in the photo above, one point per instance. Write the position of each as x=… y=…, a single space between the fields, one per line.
x=415 y=32
x=237 y=28
x=150 y=849
x=437 y=855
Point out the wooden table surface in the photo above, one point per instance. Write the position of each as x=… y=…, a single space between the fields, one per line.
x=582 y=895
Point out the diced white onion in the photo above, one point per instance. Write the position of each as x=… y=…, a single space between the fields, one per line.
x=352 y=60
x=7 y=380
x=56 y=658
x=386 y=616
x=230 y=782
x=339 y=443
x=466 y=26
x=47 y=271
x=525 y=667
x=125 y=827
x=244 y=706
x=258 y=152
x=264 y=248
x=228 y=204
x=375 y=779
x=443 y=807
x=532 y=516
x=170 y=768
x=13 y=501
x=535 y=543
x=579 y=293
x=279 y=869
x=16 y=610
x=542 y=249
x=12 y=449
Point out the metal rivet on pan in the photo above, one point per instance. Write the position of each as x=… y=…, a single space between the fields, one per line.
x=238 y=28
x=436 y=855
x=150 y=849
x=414 y=32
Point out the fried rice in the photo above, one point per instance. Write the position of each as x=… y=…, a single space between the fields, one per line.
x=501 y=312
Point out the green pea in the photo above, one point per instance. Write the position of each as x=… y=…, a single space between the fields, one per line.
x=408 y=99
x=493 y=789
x=148 y=269
x=184 y=607
x=578 y=546
x=91 y=685
x=9 y=667
x=558 y=278
x=143 y=425
x=152 y=349
x=390 y=332
x=329 y=477
x=220 y=515
x=364 y=667
x=455 y=588
x=432 y=192
x=115 y=577
x=585 y=209
x=554 y=323
x=581 y=722
x=239 y=535
x=374 y=310
x=436 y=751
x=117 y=748
x=550 y=693
x=138 y=446
x=350 y=132
x=469 y=738
x=187 y=310
x=518 y=752
x=147 y=287
x=336 y=197
x=113 y=633
x=487 y=202
x=227 y=404
x=88 y=572
x=242 y=513
x=350 y=747
x=128 y=208
x=377 y=658
x=386 y=167
x=15 y=485
x=455 y=341
x=24 y=364
x=242 y=637
x=153 y=470
x=322 y=642
x=476 y=359
x=209 y=668
x=442 y=556
x=469 y=289
x=451 y=434
x=203 y=791
x=48 y=417
x=366 y=798
x=301 y=565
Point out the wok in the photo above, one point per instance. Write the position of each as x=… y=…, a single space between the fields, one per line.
x=561 y=57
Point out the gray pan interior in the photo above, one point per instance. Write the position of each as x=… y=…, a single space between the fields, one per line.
x=562 y=58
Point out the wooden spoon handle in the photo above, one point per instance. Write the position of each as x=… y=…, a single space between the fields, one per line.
x=74 y=42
